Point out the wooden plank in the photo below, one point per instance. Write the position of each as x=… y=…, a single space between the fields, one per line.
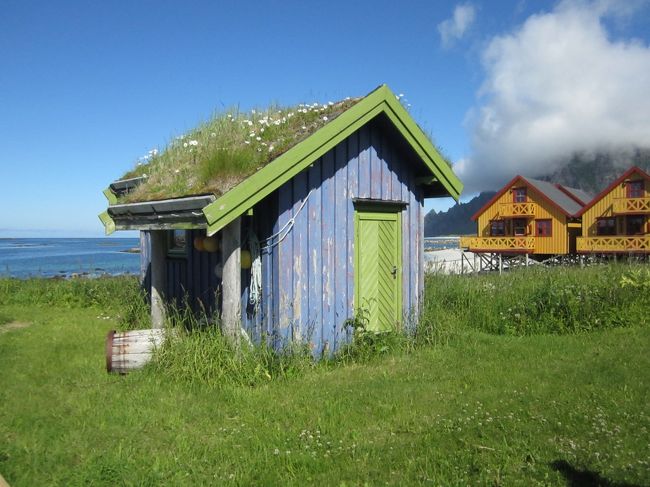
x=231 y=312
x=353 y=192
x=364 y=163
x=285 y=256
x=341 y=237
x=375 y=162
x=158 y=240
x=327 y=245
x=315 y=257
x=300 y=258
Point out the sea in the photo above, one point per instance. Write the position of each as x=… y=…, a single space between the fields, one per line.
x=68 y=257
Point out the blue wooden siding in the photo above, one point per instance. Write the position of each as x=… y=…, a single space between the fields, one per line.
x=308 y=278
x=191 y=277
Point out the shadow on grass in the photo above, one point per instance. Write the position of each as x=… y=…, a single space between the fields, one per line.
x=584 y=478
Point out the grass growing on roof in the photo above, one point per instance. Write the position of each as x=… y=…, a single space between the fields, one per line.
x=220 y=153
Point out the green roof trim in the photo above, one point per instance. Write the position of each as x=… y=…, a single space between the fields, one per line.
x=262 y=183
x=109 y=224
x=110 y=196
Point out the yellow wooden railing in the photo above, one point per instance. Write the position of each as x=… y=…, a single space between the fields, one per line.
x=517 y=209
x=639 y=243
x=632 y=205
x=498 y=243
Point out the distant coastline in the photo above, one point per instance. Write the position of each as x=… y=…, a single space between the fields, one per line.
x=62 y=258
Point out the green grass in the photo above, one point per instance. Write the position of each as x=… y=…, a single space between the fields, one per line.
x=459 y=407
x=221 y=152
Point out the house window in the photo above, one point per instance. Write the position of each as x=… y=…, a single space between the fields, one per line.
x=606 y=226
x=543 y=228
x=177 y=243
x=519 y=195
x=634 y=225
x=635 y=189
x=497 y=228
x=519 y=227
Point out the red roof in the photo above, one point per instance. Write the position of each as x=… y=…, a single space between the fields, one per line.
x=608 y=189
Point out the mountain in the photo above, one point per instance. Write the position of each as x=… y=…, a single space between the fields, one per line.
x=590 y=172
x=456 y=220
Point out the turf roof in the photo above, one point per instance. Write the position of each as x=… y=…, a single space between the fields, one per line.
x=222 y=152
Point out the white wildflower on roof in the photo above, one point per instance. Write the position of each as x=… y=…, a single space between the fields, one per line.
x=304 y=127
x=177 y=171
x=330 y=103
x=250 y=124
x=253 y=112
x=258 y=138
x=247 y=142
x=271 y=148
x=252 y=134
x=325 y=119
x=259 y=149
x=194 y=142
x=229 y=115
x=262 y=130
x=184 y=144
x=213 y=134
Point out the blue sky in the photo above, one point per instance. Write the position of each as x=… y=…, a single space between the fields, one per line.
x=86 y=88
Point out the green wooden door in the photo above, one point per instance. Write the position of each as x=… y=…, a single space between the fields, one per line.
x=378 y=269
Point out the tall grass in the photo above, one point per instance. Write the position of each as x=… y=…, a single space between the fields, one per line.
x=121 y=296
x=534 y=301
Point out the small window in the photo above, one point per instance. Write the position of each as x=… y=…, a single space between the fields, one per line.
x=606 y=226
x=519 y=227
x=544 y=228
x=519 y=195
x=634 y=225
x=497 y=228
x=635 y=189
x=177 y=244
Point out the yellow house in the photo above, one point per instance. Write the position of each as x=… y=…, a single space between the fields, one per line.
x=528 y=216
x=618 y=219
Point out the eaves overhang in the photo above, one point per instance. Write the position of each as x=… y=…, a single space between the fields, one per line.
x=170 y=214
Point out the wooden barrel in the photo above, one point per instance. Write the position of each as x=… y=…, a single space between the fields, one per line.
x=129 y=350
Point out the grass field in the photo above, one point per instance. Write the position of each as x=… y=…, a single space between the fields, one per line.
x=473 y=402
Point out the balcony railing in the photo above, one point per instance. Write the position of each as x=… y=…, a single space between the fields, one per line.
x=498 y=244
x=640 y=243
x=631 y=205
x=517 y=209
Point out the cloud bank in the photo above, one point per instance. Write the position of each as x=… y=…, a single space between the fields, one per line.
x=557 y=85
x=454 y=28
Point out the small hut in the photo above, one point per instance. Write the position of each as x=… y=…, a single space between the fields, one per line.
x=295 y=222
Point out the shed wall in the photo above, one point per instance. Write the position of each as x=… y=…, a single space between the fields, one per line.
x=308 y=277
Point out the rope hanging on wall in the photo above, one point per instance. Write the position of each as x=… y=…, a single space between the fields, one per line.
x=255 y=291
x=286 y=228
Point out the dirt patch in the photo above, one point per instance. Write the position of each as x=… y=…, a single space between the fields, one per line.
x=14 y=325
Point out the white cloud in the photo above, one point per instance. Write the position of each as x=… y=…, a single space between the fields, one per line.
x=557 y=85
x=454 y=28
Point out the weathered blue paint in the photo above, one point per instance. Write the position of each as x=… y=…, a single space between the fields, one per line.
x=309 y=275
x=308 y=254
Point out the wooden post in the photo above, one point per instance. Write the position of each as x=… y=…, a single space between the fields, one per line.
x=526 y=260
x=475 y=265
x=158 y=277
x=500 y=264
x=231 y=259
